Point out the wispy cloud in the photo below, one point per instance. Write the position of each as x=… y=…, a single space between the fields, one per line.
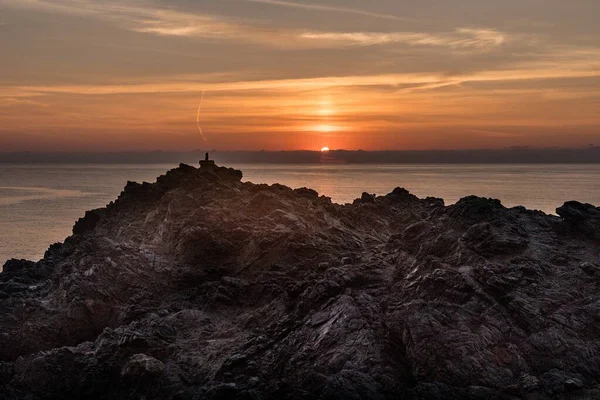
x=160 y=21
x=461 y=38
x=421 y=81
x=473 y=39
x=10 y=101
x=321 y=7
x=171 y=22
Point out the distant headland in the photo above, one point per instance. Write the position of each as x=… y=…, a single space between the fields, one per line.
x=516 y=155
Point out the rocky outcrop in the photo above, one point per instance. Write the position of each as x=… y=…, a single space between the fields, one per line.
x=200 y=286
x=584 y=218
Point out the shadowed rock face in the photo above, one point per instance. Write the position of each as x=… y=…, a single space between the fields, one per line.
x=200 y=286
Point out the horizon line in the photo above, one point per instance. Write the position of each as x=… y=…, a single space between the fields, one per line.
x=512 y=148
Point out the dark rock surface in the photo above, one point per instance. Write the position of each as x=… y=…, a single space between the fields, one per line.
x=200 y=286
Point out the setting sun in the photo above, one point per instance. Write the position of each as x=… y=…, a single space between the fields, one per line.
x=325 y=149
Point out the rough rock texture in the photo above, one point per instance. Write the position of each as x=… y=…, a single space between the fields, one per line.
x=200 y=286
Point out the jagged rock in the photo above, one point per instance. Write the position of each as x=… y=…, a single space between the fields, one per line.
x=346 y=260
x=141 y=367
x=89 y=221
x=581 y=217
x=203 y=286
x=366 y=198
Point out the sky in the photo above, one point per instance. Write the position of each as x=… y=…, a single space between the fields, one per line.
x=140 y=75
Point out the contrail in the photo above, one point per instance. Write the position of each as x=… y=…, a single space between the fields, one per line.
x=198 y=117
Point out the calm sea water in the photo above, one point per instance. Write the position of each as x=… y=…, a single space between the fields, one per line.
x=40 y=203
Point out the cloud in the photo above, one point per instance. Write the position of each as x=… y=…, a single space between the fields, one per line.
x=320 y=7
x=160 y=21
x=170 y=22
x=527 y=72
x=174 y=24
x=461 y=38
x=479 y=40
x=11 y=101
x=481 y=36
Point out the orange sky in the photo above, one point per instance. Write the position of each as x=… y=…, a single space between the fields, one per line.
x=390 y=74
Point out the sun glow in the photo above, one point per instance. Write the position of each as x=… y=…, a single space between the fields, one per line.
x=325 y=108
x=326 y=128
x=325 y=149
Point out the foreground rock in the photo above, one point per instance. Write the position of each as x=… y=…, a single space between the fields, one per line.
x=200 y=286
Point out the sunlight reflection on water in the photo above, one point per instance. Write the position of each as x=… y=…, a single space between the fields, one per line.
x=10 y=195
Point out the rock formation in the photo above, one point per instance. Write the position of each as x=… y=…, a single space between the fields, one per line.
x=200 y=286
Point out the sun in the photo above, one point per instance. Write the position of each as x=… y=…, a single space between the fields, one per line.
x=325 y=149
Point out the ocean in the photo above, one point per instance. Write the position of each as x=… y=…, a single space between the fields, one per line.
x=39 y=203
